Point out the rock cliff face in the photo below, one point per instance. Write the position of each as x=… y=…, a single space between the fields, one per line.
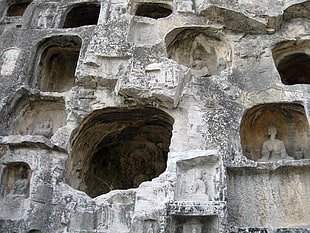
x=154 y=116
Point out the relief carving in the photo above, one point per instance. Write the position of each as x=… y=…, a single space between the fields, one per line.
x=16 y=191
x=273 y=148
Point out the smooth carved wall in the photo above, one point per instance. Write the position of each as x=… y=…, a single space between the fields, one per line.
x=269 y=198
x=119 y=148
x=292 y=128
x=58 y=58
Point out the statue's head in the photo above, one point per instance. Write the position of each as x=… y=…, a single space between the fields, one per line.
x=272 y=130
x=46 y=124
x=22 y=173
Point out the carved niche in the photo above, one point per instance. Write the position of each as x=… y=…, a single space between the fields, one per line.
x=82 y=15
x=198 y=179
x=153 y=10
x=56 y=64
x=8 y=61
x=17 y=8
x=197 y=224
x=36 y=116
x=15 y=182
x=276 y=131
x=292 y=59
x=204 y=50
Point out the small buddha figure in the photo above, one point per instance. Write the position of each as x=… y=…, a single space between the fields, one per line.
x=21 y=184
x=200 y=186
x=273 y=148
x=14 y=202
x=45 y=130
x=193 y=226
x=199 y=66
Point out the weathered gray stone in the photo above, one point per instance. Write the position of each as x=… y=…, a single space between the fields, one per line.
x=152 y=116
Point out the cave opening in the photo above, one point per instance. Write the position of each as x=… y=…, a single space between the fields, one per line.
x=57 y=64
x=153 y=10
x=119 y=148
x=82 y=15
x=295 y=69
x=292 y=60
x=17 y=9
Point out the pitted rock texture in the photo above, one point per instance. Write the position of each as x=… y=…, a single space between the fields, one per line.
x=122 y=116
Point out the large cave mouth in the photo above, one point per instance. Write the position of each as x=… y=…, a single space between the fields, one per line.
x=119 y=148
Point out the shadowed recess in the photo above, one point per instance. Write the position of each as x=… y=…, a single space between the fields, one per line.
x=119 y=148
x=82 y=15
x=17 y=9
x=58 y=58
x=292 y=60
x=300 y=10
x=153 y=10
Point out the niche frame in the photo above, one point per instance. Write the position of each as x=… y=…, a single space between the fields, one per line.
x=24 y=104
x=196 y=42
x=81 y=5
x=56 y=49
x=291 y=122
x=7 y=182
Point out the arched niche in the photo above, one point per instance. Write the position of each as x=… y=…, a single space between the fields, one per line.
x=17 y=8
x=202 y=49
x=82 y=15
x=33 y=115
x=34 y=231
x=57 y=61
x=153 y=10
x=292 y=129
x=292 y=59
x=15 y=180
x=119 y=148
x=299 y=10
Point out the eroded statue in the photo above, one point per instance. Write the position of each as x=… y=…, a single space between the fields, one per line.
x=20 y=187
x=273 y=148
x=13 y=204
x=46 y=130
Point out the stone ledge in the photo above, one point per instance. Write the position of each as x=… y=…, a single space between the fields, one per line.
x=268 y=230
x=191 y=208
x=29 y=141
x=271 y=165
